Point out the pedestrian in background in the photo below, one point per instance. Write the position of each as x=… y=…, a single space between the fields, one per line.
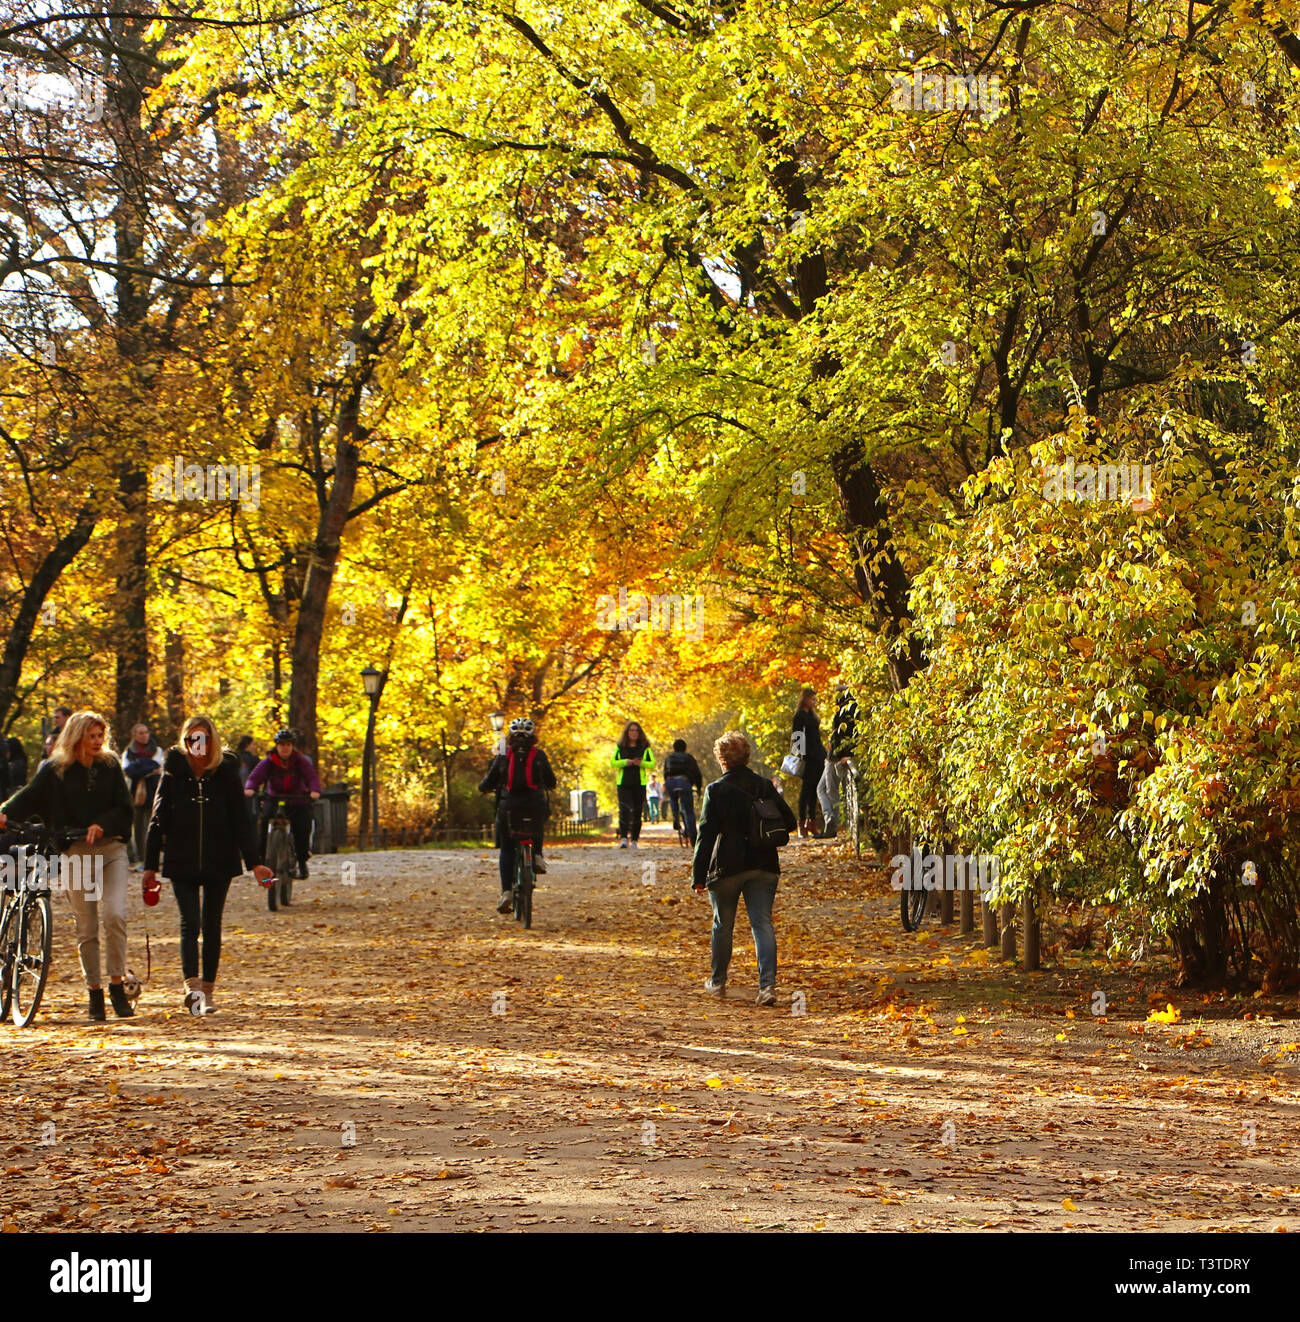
x=632 y=762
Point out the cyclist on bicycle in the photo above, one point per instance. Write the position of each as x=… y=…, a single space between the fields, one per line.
x=681 y=779
x=290 y=775
x=520 y=777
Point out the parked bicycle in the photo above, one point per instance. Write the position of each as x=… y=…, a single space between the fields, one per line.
x=27 y=922
x=523 y=826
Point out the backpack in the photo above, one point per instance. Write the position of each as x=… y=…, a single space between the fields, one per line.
x=766 y=825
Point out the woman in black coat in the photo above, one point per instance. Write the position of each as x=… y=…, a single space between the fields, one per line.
x=806 y=738
x=201 y=827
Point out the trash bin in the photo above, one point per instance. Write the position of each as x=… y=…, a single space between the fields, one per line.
x=582 y=805
x=330 y=813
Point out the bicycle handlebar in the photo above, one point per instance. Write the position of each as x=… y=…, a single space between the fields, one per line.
x=67 y=835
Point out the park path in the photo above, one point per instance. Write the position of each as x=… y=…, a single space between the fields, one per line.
x=391 y=1054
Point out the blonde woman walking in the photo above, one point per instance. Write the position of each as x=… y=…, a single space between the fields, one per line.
x=81 y=786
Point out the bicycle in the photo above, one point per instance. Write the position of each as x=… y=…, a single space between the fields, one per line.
x=523 y=826
x=280 y=857
x=27 y=924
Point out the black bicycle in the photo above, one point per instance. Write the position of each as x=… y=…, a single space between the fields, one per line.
x=32 y=852
x=916 y=902
x=678 y=798
x=280 y=856
x=523 y=827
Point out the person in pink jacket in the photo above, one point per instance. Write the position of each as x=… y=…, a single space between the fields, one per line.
x=289 y=775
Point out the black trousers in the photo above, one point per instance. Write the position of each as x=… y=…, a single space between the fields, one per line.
x=812 y=774
x=202 y=901
x=299 y=815
x=535 y=806
x=630 y=804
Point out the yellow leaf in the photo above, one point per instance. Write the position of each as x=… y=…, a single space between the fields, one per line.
x=958 y=1032
x=1069 y=1205
x=714 y=1082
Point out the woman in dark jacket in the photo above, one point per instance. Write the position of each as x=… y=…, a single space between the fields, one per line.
x=81 y=787
x=731 y=863
x=806 y=738
x=201 y=828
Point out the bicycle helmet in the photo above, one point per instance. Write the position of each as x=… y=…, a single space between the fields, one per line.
x=522 y=725
x=284 y=736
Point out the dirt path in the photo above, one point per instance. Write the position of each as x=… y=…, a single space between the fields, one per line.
x=576 y=1077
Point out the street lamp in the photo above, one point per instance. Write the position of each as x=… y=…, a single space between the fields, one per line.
x=498 y=719
x=372 y=681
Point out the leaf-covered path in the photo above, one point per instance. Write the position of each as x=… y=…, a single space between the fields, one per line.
x=577 y=1077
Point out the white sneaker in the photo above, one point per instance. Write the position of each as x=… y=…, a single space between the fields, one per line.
x=622 y=844
x=715 y=988
x=766 y=996
x=635 y=845
x=539 y=865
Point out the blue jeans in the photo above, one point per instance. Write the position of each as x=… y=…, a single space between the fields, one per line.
x=683 y=802
x=759 y=890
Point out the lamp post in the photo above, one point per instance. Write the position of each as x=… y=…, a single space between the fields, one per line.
x=372 y=681
x=498 y=720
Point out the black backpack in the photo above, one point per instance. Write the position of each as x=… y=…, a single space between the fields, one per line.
x=766 y=825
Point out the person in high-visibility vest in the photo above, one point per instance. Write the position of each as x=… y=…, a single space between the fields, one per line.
x=632 y=762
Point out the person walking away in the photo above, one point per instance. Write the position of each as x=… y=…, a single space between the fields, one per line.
x=736 y=855
x=290 y=775
x=844 y=733
x=142 y=763
x=682 y=777
x=82 y=788
x=806 y=739
x=16 y=757
x=520 y=778
x=200 y=829
x=632 y=762
x=246 y=752
x=652 y=796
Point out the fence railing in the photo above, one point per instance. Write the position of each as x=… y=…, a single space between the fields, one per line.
x=402 y=837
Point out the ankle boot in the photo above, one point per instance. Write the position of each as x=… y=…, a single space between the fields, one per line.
x=206 y=989
x=97 y=1005
x=192 y=996
x=121 y=1006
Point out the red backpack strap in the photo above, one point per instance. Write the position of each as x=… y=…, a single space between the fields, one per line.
x=528 y=768
x=510 y=770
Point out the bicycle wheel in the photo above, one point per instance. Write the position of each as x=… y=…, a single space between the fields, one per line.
x=8 y=952
x=524 y=886
x=278 y=854
x=32 y=966
x=914 y=903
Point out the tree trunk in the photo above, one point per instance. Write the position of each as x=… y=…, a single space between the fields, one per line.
x=174 y=680
x=1007 y=914
x=1033 y=934
x=305 y=683
x=945 y=906
x=967 y=911
x=19 y=638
